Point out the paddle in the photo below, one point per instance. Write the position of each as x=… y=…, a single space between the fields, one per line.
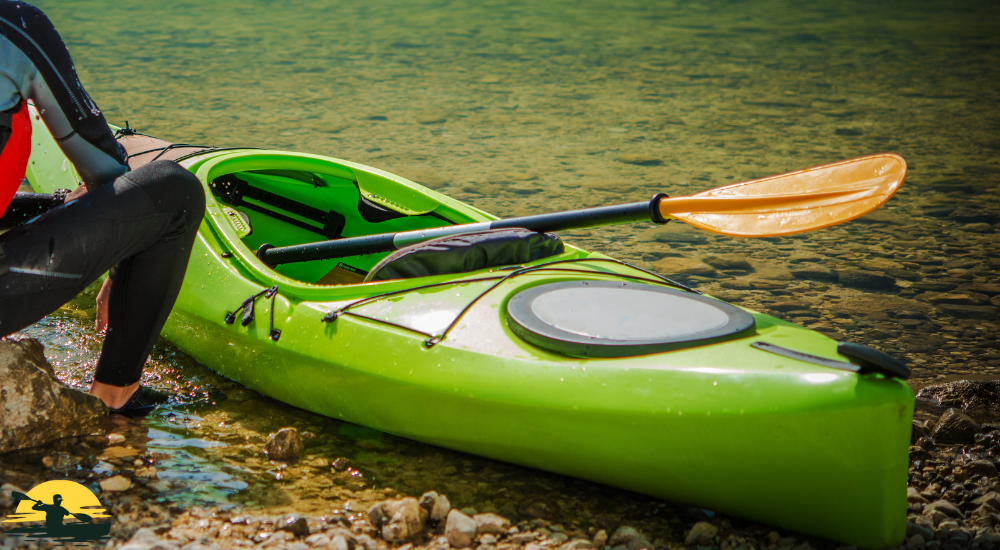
x=21 y=496
x=785 y=204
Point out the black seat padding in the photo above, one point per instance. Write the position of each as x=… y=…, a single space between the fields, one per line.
x=466 y=252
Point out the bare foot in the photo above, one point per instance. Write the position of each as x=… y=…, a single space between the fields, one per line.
x=102 y=305
x=114 y=397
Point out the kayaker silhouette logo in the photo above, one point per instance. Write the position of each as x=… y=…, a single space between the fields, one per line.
x=66 y=510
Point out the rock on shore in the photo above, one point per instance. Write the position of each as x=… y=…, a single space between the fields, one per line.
x=36 y=408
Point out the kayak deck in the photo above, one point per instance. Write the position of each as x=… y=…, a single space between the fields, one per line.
x=724 y=426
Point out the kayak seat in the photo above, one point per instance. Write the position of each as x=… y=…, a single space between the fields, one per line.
x=465 y=253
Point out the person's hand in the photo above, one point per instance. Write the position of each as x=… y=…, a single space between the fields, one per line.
x=102 y=304
x=80 y=191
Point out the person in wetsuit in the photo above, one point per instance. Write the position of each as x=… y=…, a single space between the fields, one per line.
x=143 y=221
x=54 y=513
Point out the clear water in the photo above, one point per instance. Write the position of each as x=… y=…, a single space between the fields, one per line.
x=524 y=107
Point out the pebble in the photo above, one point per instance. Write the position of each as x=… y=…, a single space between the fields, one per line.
x=945 y=508
x=630 y=538
x=436 y=505
x=701 y=534
x=293 y=524
x=860 y=278
x=735 y=263
x=284 y=445
x=399 y=520
x=115 y=439
x=115 y=484
x=460 y=529
x=491 y=523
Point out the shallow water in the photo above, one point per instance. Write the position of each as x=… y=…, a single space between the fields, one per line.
x=524 y=107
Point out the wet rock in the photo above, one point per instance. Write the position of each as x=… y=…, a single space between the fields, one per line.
x=293 y=524
x=684 y=266
x=491 y=523
x=728 y=263
x=341 y=542
x=969 y=312
x=990 y=500
x=970 y=395
x=37 y=408
x=436 y=505
x=983 y=468
x=578 y=544
x=600 y=538
x=917 y=431
x=701 y=534
x=629 y=538
x=989 y=289
x=914 y=529
x=6 y=500
x=115 y=439
x=536 y=510
x=954 y=426
x=981 y=228
x=143 y=538
x=641 y=160
x=284 y=445
x=366 y=542
x=814 y=272
x=956 y=297
x=861 y=278
x=399 y=520
x=914 y=497
x=935 y=286
x=115 y=484
x=340 y=464
x=460 y=529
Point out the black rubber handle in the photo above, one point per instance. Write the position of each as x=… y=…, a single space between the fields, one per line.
x=353 y=246
x=873 y=360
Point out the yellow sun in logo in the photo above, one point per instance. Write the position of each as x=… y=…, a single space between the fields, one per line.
x=76 y=499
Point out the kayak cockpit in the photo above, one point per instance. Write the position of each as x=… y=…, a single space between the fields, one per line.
x=290 y=207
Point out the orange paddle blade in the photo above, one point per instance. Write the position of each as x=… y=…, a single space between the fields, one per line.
x=795 y=202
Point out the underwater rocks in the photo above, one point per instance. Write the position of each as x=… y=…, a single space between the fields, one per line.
x=36 y=407
x=286 y=444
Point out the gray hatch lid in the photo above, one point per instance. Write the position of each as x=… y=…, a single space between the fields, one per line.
x=621 y=319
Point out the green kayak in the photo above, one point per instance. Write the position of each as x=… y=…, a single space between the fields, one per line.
x=567 y=361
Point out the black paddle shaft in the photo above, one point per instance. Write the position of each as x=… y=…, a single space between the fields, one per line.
x=386 y=242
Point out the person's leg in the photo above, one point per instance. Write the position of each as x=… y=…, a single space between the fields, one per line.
x=145 y=222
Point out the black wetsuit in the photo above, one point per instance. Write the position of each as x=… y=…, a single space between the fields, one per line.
x=143 y=221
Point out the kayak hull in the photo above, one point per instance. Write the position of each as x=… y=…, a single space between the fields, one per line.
x=723 y=426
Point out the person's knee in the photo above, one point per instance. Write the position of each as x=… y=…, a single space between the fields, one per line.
x=172 y=188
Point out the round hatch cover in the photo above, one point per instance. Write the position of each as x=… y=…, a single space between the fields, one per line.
x=616 y=319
